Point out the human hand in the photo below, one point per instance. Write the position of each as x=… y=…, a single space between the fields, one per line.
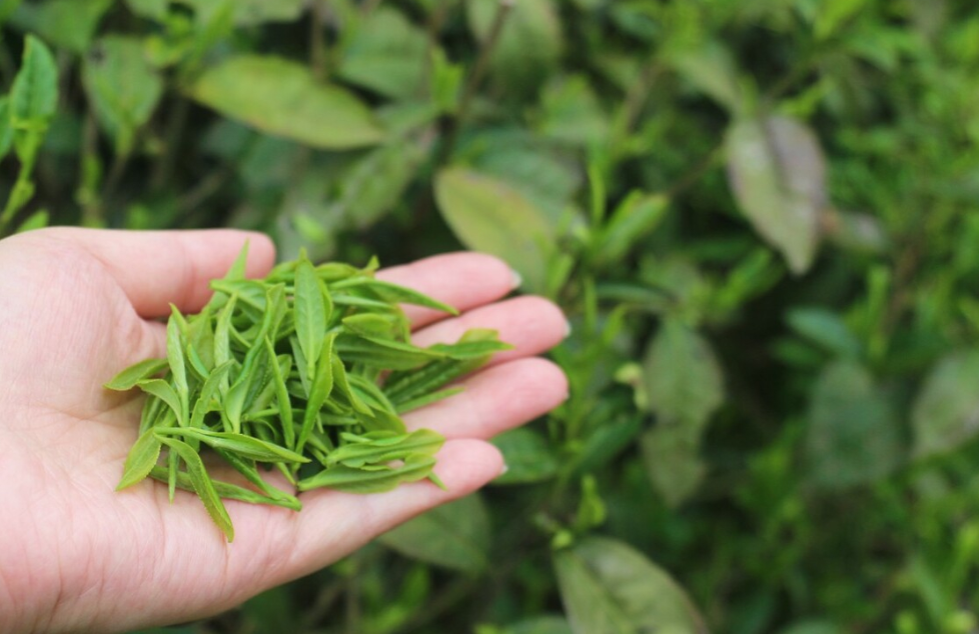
x=77 y=306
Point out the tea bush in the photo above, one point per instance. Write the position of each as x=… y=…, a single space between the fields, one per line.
x=760 y=215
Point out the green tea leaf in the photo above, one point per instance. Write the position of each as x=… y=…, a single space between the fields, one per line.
x=202 y=484
x=244 y=446
x=390 y=355
x=216 y=380
x=247 y=468
x=165 y=392
x=282 y=399
x=310 y=313
x=254 y=376
x=176 y=341
x=341 y=478
x=388 y=292
x=423 y=442
x=227 y=490
x=467 y=350
x=343 y=389
x=222 y=332
x=280 y=97
x=128 y=378
x=141 y=459
x=320 y=389
x=428 y=399
x=374 y=325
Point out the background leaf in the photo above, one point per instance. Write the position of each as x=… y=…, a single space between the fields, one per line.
x=527 y=456
x=777 y=171
x=282 y=98
x=610 y=588
x=853 y=435
x=488 y=215
x=123 y=87
x=387 y=54
x=946 y=411
x=455 y=535
x=69 y=24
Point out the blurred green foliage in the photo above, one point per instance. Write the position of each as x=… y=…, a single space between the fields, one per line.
x=760 y=215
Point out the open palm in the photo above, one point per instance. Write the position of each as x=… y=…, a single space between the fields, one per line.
x=76 y=306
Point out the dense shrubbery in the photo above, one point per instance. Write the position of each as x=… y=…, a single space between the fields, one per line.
x=760 y=215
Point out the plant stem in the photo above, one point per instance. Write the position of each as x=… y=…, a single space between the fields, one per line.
x=317 y=45
x=163 y=170
x=475 y=78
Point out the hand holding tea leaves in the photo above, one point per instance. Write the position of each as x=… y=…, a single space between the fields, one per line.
x=77 y=305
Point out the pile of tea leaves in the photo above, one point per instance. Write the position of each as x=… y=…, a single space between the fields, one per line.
x=308 y=372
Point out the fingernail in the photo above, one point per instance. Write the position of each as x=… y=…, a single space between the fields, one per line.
x=505 y=468
x=567 y=329
x=516 y=280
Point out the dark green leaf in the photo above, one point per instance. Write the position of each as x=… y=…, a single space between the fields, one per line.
x=34 y=94
x=854 y=437
x=671 y=454
x=69 y=24
x=454 y=535
x=387 y=54
x=682 y=379
x=123 y=88
x=527 y=456
x=826 y=329
x=609 y=587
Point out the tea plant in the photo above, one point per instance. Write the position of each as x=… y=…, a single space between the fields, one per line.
x=760 y=216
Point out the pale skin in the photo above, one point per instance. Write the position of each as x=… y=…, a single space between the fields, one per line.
x=77 y=306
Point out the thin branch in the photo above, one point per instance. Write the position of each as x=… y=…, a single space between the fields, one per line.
x=476 y=77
